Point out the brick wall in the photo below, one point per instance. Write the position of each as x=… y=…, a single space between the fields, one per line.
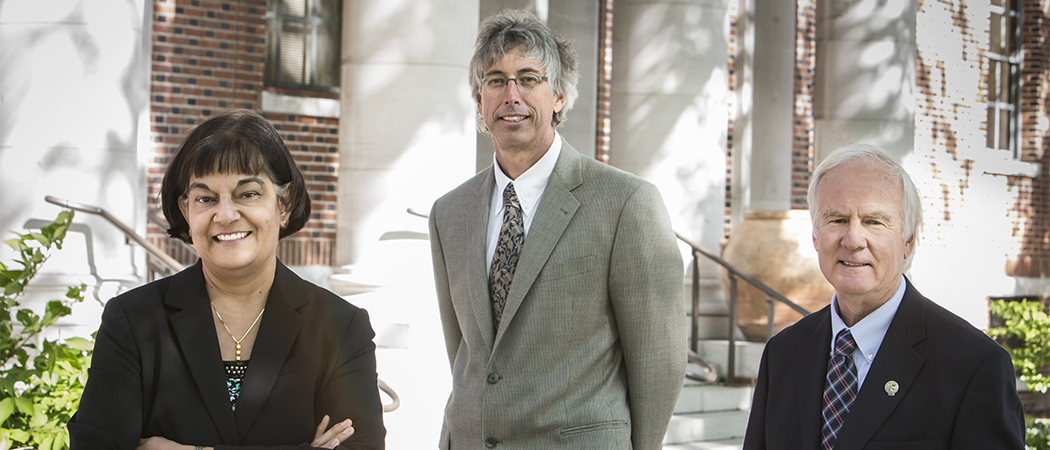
x=951 y=126
x=950 y=115
x=802 y=122
x=605 y=46
x=950 y=122
x=208 y=57
x=1031 y=210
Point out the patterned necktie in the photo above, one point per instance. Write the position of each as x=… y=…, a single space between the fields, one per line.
x=841 y=387
x=505 y=259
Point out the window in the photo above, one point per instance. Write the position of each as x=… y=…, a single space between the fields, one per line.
x=303 y=44
x=1004 y=76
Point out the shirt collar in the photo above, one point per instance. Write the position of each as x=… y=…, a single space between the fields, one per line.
x=530 y=185
x=869 y=331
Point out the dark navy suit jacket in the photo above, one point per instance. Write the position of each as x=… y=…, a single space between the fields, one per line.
x=956 y=387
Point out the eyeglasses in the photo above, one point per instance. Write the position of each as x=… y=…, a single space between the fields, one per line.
x=497 y=83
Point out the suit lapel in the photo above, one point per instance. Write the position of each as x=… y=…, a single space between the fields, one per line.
x=813 y=355
x=277 y=331
x=477 y=220
x=897 y=361
x=195 y=332
x=553 y=214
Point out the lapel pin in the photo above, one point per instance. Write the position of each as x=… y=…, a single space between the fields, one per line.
x=892 y=387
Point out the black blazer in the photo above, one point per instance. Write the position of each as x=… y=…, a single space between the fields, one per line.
x=157 y=371
x=957 y=388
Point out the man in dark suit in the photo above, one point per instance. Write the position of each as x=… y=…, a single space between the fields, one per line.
x=559 y=279
x=882 y=366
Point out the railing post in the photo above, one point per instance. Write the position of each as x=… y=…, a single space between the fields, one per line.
x=769 y=321
x=696 y=301
x=731 y=368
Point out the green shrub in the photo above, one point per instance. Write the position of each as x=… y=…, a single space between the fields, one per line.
x=1026 y=334
x=1037 y=434
x=1026 y=331
x=40 y=386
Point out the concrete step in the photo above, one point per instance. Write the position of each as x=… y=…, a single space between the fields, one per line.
x=706 y=427
x=710 y=327
x=726 y=444
x=697 y=398
x=748 y=356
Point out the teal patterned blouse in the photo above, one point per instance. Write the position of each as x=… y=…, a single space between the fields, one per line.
x=234 y=376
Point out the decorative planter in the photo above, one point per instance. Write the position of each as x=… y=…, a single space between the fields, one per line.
x=775 y=247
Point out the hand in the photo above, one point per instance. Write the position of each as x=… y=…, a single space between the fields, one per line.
x=158 y=443
x=334 y=436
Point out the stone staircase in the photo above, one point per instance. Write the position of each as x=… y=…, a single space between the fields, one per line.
x=714 y=416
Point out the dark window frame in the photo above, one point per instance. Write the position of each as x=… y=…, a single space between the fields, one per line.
x=312 y=22
x=1004 y=50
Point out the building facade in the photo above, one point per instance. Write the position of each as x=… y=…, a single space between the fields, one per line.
x=726 y=105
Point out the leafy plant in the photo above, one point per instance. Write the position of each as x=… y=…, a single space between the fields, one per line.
x=1026 y=331
x=1026 y=335
x=40 y=385
x=1037 y=434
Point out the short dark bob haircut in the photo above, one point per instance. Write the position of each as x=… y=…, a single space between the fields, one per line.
x=237 y=141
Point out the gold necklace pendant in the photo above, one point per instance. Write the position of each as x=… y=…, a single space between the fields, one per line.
x=235 y=340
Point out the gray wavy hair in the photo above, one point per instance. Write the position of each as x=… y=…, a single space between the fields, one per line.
x=910 y=204
x=513 y=29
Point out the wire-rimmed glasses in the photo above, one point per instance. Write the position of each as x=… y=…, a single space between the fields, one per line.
x=495 y=84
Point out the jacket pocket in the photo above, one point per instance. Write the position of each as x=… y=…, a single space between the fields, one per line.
x=568 y=268
x=598 y=426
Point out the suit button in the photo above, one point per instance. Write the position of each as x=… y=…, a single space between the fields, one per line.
x=491 y=442
x=493 y=378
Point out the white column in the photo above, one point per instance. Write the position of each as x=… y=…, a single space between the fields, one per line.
x=865 y=80
x=406 y=132
x=773 y=90
x=406 y=136
x=669 y=106
x=74 y=105
x=669 y=92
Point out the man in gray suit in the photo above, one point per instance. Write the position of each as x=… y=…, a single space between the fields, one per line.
x=559 y=279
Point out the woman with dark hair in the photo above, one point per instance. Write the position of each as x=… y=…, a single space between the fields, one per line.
x=236 y=350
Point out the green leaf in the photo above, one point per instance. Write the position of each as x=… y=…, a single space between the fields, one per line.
x=76 y=293
x=41 y=239
x=12 y=288
x=24 y=405
x=19 y=435
x=48 y=441
x=39 y=417
x=7 y=407
x=79 y=343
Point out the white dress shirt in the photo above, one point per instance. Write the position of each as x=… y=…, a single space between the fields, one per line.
x=528 y=186
x=868 y=332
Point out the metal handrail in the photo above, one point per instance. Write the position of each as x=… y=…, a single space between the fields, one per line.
x=772 y=296
x=168 y=265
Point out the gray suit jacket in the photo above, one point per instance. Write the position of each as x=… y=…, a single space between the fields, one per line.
x=590 y=353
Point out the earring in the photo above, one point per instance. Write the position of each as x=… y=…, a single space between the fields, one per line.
x=284 y=223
